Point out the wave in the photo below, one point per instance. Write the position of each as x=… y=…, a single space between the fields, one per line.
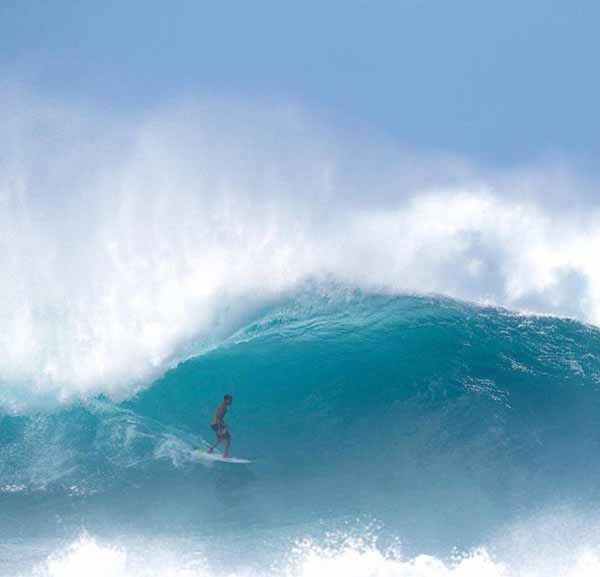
x=439 y=419
x=151 y=265
x=126 y=245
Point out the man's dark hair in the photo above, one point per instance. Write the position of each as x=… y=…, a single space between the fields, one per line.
x=228 y=396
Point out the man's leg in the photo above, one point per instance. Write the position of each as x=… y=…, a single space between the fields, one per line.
x=216 y=443
x=227 y=438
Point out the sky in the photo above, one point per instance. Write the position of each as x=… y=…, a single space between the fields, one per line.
x=501 y=83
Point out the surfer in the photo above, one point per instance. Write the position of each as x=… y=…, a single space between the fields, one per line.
x=219 y=427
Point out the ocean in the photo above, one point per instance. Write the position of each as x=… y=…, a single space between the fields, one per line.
x=411 y=342
x=392 y=435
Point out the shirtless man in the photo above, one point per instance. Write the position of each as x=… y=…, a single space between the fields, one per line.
x=219 y=427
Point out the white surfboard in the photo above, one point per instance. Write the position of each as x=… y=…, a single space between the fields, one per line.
x=206 y=456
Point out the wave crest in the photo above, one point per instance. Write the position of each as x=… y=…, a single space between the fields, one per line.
x=124 y=243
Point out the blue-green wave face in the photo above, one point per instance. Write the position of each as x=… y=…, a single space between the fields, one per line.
x=421 y=420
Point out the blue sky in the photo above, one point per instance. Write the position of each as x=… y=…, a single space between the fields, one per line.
x=498 y=82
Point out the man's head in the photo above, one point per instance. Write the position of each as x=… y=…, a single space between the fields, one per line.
x=228 y=399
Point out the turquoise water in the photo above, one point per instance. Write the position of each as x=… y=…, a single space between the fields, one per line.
x=382 y=428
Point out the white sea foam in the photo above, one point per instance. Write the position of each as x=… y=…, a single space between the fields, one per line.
x=88 y=557
x=124 y=241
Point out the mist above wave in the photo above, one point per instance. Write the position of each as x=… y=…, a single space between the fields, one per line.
x=125 y=240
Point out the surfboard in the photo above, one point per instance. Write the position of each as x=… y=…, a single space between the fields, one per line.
x=218 y=457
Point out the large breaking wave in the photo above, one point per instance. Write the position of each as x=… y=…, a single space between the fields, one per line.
x=129 y=245
x=151 y=264
x=382 y=428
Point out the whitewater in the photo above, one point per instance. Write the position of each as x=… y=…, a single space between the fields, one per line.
x=411 y=343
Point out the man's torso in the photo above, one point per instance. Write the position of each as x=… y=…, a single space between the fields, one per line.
x=219 y=414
